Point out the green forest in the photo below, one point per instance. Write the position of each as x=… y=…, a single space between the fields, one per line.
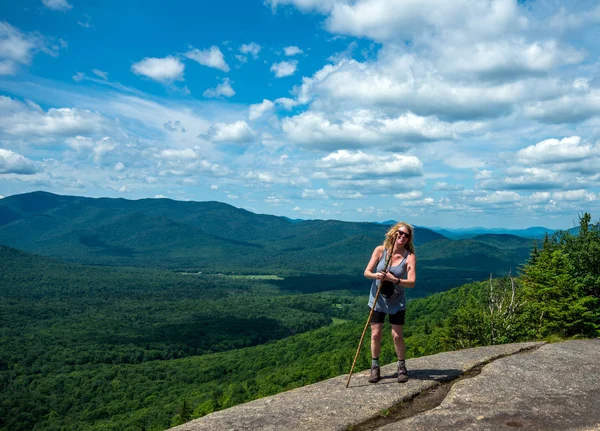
x=131 y=348
x=203 y=236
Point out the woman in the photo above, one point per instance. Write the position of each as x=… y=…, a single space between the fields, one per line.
x=401 y=274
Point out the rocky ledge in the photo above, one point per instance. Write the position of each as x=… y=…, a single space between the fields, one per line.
x=527 y=386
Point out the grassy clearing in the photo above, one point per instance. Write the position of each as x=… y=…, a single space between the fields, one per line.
x=255 y=277
x=337 y=321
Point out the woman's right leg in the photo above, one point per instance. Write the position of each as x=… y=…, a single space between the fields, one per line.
x=376 y=334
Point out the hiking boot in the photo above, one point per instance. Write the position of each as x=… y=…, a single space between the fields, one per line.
x=375 y=374
x=402 y=374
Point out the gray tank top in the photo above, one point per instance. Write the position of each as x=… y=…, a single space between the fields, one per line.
x=396 y=301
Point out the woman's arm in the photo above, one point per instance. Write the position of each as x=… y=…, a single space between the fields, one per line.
x=411 y=273
x=372 y=265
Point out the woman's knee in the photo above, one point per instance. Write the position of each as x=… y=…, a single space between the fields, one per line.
x=397 y=335
x=376 y=332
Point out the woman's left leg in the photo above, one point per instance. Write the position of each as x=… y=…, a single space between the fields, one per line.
x=400 y=351
x=398 y=341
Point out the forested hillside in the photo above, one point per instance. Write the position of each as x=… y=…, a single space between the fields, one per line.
x=217 y=238
x=139 y=349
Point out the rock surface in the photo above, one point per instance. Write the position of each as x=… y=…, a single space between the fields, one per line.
x=556 y=387
x=528 y=386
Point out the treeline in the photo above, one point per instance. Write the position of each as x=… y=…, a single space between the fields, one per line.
x=556 y=296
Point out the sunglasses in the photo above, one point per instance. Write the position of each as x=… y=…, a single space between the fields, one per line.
x=404 y=234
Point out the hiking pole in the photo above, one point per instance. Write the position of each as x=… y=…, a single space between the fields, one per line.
x=387 y=263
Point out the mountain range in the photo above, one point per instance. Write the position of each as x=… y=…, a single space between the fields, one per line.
x=218 y=238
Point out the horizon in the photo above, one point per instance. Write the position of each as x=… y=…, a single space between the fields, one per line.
x=437 y=227
x=473 y=115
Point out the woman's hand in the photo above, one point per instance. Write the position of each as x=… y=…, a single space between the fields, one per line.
x=381 y=275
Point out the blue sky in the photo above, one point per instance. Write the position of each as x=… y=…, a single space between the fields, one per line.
x=454 y=114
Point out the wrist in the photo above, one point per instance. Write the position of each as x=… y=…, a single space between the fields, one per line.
x=398 y=281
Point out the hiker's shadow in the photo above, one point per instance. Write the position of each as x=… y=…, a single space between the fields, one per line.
x=440 y=375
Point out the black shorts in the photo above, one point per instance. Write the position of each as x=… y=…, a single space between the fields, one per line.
x=395 y=319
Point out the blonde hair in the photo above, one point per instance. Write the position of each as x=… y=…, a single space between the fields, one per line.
x=390 y=237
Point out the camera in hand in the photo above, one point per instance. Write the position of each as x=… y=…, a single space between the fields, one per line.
x=387 y=288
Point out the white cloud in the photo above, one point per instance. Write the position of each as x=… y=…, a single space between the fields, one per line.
x=558 y=151
x=59 y=5
x=498 y=197
x=525 y=179
x=345 y=164
x=171 y=154
x=251 y=48
x=292 y=50
x=237 y=132
x=100 y=73
x=403 y=81
x=14 y=163
x=18 y=48
x=314 y=194
x=28 y=121
x=258 y=110
x=286 y=102
x=572 y=195
x=444 y=186
x=579 y=105
x=374 y=186
x=276 y=200
x=211 y=57
x=409 y=196
x=96 y=150
x=347 y=194
x=160 y=69
x=224 y=89
x=507 y=58
x=284 y=68
x=363 y=128
x=539 y=197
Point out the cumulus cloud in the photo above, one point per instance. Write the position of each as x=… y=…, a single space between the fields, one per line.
x=14 y=163
x=363 y=128
x=284 y=68
x=286 y=102
x=507 y=58
x=28 y=120
x=374 y=186
x=258 y=110
x=160 y=69
x=409 y=196
x=276 y=200
x=345 y=164
x=58 y=5
x=211 y=57
x=251 y=48
x=97 y=150
x=558 y=151
x=571 y=107
x=237 y=132
x=292 y=50
x=224 y=89
x=498 y=197
x=444 y=186
x=314 y=194
x=525 y=179
x=173 y=154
